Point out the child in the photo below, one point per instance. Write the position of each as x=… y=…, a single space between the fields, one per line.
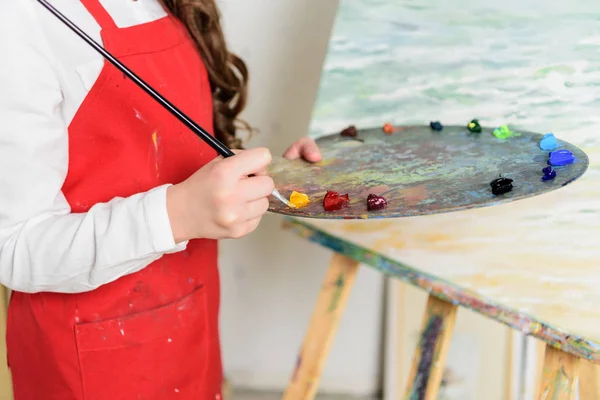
x=110 y=208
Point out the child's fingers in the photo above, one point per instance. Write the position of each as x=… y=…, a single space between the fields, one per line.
x=256 y=209
x=310 y=150
x=255 y=188
x=306 y=148
x=247 y=162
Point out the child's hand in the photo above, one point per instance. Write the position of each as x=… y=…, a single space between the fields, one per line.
x=219 y=200
x=305 y=148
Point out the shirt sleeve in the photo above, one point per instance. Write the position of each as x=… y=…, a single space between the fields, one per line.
x=43 y=246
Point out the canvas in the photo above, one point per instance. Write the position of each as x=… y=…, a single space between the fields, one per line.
x=531 y=64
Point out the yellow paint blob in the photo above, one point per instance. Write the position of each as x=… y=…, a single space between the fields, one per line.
x=298 y=199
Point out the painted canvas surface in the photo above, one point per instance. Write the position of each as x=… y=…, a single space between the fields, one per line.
x=534 y=65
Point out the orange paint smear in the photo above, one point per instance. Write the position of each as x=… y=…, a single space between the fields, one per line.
x=155 y=142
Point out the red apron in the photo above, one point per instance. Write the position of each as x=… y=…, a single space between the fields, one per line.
x=153 y=334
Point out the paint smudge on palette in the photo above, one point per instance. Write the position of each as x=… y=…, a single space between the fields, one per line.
x=414 y=195
x=325 y=162
x=378 y=190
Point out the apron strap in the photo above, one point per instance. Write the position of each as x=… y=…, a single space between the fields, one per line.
x=99 y=13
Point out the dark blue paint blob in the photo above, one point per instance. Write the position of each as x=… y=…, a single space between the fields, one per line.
x=436 y=125
x=560 y=158
x=549 y=174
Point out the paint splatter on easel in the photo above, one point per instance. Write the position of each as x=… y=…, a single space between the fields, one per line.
x=339 y=285
x=427 y=345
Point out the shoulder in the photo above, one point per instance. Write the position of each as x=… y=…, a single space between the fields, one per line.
x=21 y=33
x=16 y=17
x=34 y=39
x=28 y=65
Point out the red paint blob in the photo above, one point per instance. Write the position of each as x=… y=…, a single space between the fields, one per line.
x=334 y=201
x=375 y=202
x=349 y=131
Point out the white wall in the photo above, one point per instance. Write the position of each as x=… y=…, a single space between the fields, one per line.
x=270 y=280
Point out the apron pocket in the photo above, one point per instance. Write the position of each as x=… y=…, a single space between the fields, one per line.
x=156 y=354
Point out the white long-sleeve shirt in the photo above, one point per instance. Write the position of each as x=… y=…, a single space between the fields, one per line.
x=45 y=73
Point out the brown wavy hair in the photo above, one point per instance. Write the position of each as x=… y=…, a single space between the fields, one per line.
x=227 y=72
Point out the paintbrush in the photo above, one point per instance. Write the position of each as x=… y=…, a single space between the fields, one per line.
x=213 y=142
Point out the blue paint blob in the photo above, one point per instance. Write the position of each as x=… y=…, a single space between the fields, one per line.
x=560 y=158
x=549 y=174
x=436 y=126
x=548 y=142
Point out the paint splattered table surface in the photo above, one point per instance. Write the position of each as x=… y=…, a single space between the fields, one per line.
x=532 y=264
x=420 y=171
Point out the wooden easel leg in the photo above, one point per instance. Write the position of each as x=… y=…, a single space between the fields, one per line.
x=430 y=355
x=589 y=381
x=5 y=379
x=559 y=379
x=331 y=304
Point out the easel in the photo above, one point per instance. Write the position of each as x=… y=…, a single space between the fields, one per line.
x=561 y=373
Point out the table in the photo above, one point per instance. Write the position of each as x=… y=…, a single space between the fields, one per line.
x=533 y=265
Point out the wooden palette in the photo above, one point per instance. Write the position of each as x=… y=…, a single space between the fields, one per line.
x=420 y=171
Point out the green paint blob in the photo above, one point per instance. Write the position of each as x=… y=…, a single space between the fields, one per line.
x=504 y=132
